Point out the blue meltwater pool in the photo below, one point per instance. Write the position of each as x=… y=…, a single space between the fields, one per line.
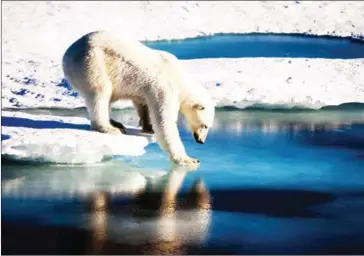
x=262 y=45
x=270 y=182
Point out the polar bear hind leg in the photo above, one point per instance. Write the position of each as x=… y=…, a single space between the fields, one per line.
x=143 y=112
x=98 y=107
x=96 y=88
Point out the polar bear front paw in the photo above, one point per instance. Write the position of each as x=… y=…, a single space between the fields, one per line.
x=186 y=161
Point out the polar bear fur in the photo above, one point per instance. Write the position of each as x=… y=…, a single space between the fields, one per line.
x=105 y=68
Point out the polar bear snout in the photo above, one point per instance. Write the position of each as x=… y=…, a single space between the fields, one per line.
x=200 y=135
x=198 y=139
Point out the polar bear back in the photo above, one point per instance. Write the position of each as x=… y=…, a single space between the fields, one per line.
x=128 y=62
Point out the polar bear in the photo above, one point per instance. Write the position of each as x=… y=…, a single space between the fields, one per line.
x=105 y=68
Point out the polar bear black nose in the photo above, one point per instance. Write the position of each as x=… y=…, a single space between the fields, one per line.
x=198 y=140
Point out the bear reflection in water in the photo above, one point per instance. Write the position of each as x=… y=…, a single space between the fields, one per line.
x=156 y=222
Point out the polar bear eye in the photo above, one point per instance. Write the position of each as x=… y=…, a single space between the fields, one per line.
x=204 y=126
x=198 y=107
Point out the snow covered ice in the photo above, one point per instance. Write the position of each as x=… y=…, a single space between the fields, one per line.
x=311 y=83
x=47 y=28
x=36 y=34
x=64 y=140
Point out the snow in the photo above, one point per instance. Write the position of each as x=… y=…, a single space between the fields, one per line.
x=47 y=28
x=310 y=83
x=64 y=140
x=36 y=34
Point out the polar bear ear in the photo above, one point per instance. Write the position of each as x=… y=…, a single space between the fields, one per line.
x=198 y=107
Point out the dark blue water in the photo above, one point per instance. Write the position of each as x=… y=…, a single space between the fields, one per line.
x=262 y=45
x=269 y=183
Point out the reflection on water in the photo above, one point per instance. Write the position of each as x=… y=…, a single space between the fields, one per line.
x=151 y=220
x=269 y=182
x=155 y=219
x=41 y=181
x=239 y=122
x=98 y=221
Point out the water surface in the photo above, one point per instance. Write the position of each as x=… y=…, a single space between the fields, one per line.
x=262 y=45
x=269 y=182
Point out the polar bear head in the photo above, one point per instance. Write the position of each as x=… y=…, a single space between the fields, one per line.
x=200 y=117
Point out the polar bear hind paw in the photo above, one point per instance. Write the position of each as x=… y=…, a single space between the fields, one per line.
x=118 y=125
x=108 y=129
x=147 y=129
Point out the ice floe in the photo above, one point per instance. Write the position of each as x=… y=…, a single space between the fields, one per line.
x=64 y=140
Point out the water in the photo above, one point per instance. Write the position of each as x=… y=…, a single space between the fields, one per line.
x=269 y=182
x=262 y=45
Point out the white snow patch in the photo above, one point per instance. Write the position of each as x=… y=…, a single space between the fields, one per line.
x=310 y=83
x=66 y=140
x=298 y=82
x=48 y=28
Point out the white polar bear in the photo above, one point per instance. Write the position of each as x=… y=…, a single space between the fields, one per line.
x=104 y=68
